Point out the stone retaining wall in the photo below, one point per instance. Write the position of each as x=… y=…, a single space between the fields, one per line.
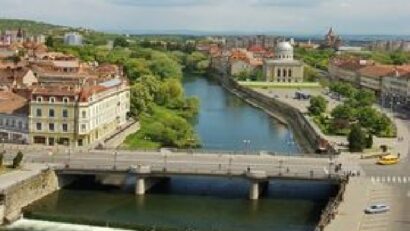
x=26 y=192
x=304 y=133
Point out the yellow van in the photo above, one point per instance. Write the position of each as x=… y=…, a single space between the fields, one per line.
x=388 y=160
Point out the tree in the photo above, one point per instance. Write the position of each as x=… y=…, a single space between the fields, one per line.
x=18 y=159
x=367 y=117
x=343 y=112
x=2 y=158
x=369 y=141
x=364 y=98
x=120 y=42
x=357 y=139
x=140 y=99
x=49 y=41
x=318 y=105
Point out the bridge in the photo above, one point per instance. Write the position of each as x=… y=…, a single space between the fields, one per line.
x=151 y=168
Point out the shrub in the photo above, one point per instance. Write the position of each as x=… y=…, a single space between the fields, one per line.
x=357 y=139
x=17 y=160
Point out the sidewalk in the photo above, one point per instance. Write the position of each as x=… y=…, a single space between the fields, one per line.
x=350 y=212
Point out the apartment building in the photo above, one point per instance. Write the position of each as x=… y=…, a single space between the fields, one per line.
x=78 y=116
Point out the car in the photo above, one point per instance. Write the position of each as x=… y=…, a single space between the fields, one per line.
x=377 y=208
x=388 y=160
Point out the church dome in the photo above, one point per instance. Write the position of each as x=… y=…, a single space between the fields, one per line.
x=284 y=46
x=284 y=51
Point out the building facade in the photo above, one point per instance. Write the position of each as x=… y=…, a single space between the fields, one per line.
x=73 y=39
x=78 y=116
x=13 y=118
x=283 y=68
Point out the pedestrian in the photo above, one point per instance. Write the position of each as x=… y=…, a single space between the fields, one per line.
x=249 y=168
x=398 y=155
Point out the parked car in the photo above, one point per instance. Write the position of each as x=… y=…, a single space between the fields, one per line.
x=377 y=208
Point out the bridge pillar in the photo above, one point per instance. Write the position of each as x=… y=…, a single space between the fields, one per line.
x=140 y=186
x=256 y=189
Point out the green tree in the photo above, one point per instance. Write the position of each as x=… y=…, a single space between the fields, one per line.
x=369 y=141
x=318 y=105
x=367 y=117
x=135 y=68
x=2 y=158
x=343 y=112
x=365 y=98
x=120 y=42
x=49 y=41
x=357 y=139
x=140 y=99
x=18 y=159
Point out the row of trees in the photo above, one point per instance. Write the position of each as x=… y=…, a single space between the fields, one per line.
x=355 y=117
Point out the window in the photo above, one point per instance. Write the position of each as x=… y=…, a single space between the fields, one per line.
x=84 y=113
x=7 y=122
x=39 y=99
x=290 y=72
x=83 y=127
x=1 y=122
x=284 y=73
x=13 y=123
x=65 y=127
x=279 y=72
x=51 y=126
x=52 y=100
x=65 y=113
x=38 y=127
x=66 y=100
x=38 y=112
x=51 y=113
x=20 y=125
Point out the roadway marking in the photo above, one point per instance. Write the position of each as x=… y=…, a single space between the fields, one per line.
x=390 y=179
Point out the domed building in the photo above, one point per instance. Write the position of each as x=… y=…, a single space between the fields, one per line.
x=283 y=68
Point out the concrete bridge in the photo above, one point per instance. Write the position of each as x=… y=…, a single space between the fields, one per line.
x=151 y=168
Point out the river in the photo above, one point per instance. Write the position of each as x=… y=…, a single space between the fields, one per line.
x=188 y=203
x=225 y=121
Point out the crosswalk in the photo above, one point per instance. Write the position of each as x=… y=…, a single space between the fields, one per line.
x=391 y=179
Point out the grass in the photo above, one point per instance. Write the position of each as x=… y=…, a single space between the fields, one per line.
x=279 y=85
x=138 y=141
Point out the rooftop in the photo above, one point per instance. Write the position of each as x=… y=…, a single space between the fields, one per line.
x=11 y=103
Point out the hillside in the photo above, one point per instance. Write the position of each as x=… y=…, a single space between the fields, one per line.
x=31 y=27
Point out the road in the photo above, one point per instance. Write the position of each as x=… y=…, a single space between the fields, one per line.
x=391 y=185
x=219 y=164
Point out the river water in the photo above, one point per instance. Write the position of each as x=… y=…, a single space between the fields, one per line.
x=225 y=121
x=189 y=203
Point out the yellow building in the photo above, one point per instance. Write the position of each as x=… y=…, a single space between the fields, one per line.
x=78 y=116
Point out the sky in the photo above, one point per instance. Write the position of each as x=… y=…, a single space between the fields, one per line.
x=269 y=16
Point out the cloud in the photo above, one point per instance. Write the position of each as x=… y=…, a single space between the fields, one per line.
x=162 y=3
x=289 y=3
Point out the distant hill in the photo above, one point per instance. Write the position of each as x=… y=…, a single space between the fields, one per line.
x=31 y=27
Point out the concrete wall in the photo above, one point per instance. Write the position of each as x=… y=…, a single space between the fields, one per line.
x=26 y=192
x=303 y=131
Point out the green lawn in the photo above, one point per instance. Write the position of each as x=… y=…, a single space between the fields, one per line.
x=279 y=85
x=139 y=141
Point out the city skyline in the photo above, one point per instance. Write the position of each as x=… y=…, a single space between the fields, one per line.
x=280 y=16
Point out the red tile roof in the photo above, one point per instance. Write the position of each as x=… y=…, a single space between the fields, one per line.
x=11 y=103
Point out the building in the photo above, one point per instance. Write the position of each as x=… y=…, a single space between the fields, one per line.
x=73 y=39
x=283 y=68
x=371 y=77
x=346 y=69
x=397 y=85
x=16 y=77
x=13 y=118
x=332 y=40
x=76 y=116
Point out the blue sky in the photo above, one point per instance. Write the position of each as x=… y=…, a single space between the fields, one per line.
x=295 y=16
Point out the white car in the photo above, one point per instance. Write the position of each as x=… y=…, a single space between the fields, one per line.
x=377 y=208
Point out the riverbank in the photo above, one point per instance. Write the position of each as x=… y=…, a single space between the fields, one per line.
x=305 y=134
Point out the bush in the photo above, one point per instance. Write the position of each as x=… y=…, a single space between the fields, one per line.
x=369 y=141
x=2 y=158
x=17 y=160
x=318 y=105
x=357 y=139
